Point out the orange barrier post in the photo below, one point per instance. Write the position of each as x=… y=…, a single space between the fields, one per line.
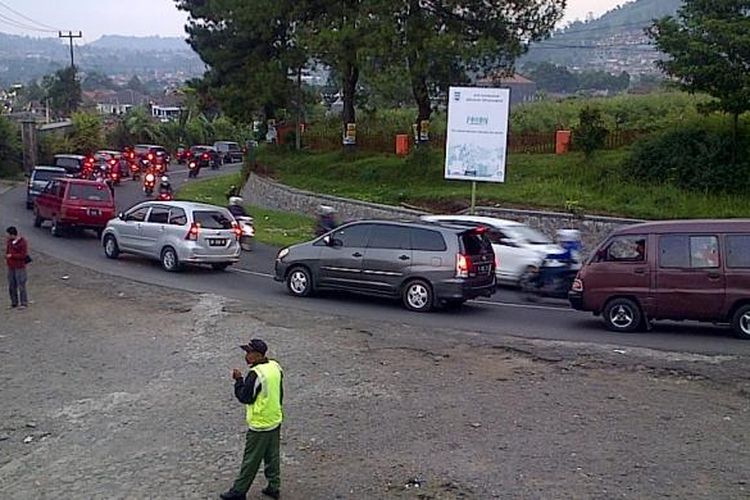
x=402 y=145
x=562 y=142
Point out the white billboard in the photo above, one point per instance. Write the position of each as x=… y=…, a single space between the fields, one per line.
x=477 y=137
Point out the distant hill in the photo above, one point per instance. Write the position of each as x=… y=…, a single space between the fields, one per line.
x=613 y=42
x=24 y=58
x=145 y=43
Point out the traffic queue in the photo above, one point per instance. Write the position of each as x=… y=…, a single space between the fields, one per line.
x=677 y=270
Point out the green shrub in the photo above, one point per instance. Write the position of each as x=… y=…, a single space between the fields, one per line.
x=591 y=131
x=11 y=153
x=694 y=158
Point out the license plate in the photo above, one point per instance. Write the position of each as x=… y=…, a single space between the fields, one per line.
x=214 y=242
x=484 y=269
x=94 y=212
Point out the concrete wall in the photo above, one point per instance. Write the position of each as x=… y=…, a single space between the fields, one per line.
x=263 y=192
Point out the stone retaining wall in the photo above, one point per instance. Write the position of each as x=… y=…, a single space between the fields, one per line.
x=263 y=192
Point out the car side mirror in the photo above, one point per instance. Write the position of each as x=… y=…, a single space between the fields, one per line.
x=121 y=216
x=328 y=241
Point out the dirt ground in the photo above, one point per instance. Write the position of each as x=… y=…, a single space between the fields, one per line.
x=114 y=389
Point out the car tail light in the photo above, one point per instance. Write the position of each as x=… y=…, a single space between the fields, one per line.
x=577 y=285
x=463 y=265
x=192 y=234
x=150 y=156
x=237 y=230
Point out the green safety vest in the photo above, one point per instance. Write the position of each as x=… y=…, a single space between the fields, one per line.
x=265 y=413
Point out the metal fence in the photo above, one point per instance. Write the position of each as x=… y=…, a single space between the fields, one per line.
x=526 y=143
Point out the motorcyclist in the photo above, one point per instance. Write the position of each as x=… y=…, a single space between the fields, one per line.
x=165 y=187
x=326 y=220
x=233 y=191
x=235 y=206
x=565 y=263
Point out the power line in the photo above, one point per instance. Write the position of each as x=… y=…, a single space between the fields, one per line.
x=18 y=25
x=40 y=24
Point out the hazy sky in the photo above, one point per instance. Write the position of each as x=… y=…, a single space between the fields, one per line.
x=148 y=17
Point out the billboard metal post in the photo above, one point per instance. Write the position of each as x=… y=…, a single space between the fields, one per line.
x=473 y=197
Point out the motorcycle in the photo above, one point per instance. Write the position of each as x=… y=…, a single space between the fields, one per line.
x=149 y=182
x=165 y=196
x=135 y=171
x=247 y=236
x=549 y=280
x=193 y=169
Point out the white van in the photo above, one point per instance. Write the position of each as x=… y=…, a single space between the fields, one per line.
x=517 y=246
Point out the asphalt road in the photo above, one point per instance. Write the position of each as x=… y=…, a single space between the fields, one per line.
x=505 y=313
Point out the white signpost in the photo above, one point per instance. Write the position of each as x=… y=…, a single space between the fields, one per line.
x=477 y=136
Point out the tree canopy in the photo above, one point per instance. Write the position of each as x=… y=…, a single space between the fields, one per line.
x=252 y=47
x=708 y=49
x=63 y=91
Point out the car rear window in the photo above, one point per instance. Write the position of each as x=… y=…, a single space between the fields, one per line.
x=476 y=243
x=212 y=219
x=233 y=147
x=89 y=192
x=45 y=175
x=67 y=163
x=738 y=251
x=426 y=240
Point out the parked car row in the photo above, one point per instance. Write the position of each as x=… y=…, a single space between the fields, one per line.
x=220 y=153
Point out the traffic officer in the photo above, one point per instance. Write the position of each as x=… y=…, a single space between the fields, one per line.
x=262 y=392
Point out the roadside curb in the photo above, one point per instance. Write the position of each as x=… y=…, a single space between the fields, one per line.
x=6 y=186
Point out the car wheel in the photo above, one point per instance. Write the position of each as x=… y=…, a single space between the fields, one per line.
x=169 y=260
x=299 y=282
x=417 y=296
x=220 y=266
x=56 y=229
x=622 y=315
x=37 y=220
x=741 y=322
x=111 y=248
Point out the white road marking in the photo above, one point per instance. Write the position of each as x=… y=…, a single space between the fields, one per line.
x=253 y=273
x=482 y=302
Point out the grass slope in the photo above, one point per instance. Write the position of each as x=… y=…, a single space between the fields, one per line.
x=567 y=183
x=271 y=227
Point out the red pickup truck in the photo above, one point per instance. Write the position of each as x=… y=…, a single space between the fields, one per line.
x=74 y=203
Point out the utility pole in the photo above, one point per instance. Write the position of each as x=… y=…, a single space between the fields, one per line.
x=70 y=36
x=298 y=134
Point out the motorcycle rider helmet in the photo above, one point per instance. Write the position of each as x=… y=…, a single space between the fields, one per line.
x=235 y=200
x=165 y=179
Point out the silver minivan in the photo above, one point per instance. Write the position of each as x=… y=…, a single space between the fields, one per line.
x=175 y=233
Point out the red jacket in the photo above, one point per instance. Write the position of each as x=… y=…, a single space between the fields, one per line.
x=18 y=252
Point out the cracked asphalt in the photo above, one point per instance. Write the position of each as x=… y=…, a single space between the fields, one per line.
x=114 y=389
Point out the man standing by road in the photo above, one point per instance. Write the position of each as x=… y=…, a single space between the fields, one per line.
x=16 y=256
x=262 y=391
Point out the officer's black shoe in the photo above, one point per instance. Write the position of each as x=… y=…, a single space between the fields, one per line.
x=276 y=494
x=232 y=495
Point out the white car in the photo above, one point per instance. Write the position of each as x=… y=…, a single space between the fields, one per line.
x=175 y=233
x=517 y=246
